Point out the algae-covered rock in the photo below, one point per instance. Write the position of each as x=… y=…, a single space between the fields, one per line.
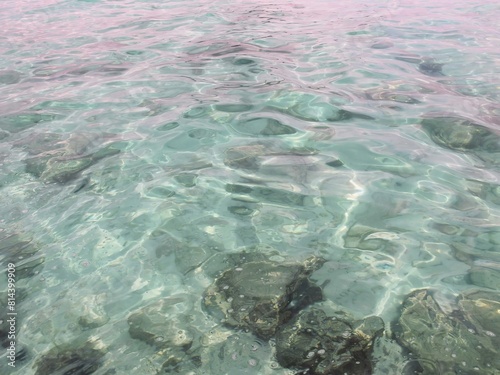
x=261 y=295
x=322 y=344
x=9 y=77
x=267 y=194
x=263 y=126
x=431 y=68
x=309 y=107
x=461 y=339
x=366 y=238
x=36 y=143
x=425 y=65
x=166 y=324
x=253 y=156
x=186 y=179
x=394 y=96
x=245 y=157
x=234 y=353
x=461 y=134
x=490 y=192
x=93 y=314
x=163 y=324
x=20 y=250
x=81 y=359
x=18 y=122
x=485 y=277
x=57 y=166
x=59 y=159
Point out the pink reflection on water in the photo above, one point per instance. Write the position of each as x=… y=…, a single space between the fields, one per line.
x=49 y=21
x=61 y=39
x=35 y=23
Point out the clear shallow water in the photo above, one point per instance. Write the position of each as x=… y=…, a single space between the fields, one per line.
x=296 y=125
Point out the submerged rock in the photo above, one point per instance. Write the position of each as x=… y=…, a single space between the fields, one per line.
x=160 y=324
x=63 y=164
x=164 y=325
x=280 y=166
x=245 y=157
x=485 y=277
x=93 y=314
x=37 y=143
x=223 y=353
x=59 y=159
x=83 y=359
x=57 y=169
x=425 y=65
x=382 y=45
x=18 y=122
x=460 y=134
x=21 y=250
x=431 y=68
x=309 y=107
x=489 y=192
x=219 y=262
x=186 y=179
x=266 y=194
x=394 y=96
x=322 y=344
x=9 y=77
x=263 y=126
x=463 y=338
x=261 y=295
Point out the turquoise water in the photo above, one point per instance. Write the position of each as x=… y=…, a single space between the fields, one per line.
x=140 y=141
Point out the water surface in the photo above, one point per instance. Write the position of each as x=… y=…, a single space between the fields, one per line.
x=140 y=139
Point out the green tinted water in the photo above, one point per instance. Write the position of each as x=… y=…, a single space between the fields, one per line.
x=142 y=141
